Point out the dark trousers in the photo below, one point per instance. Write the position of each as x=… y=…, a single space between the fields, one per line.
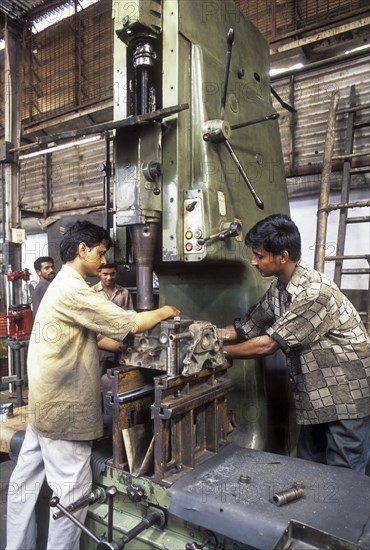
x=343 y=443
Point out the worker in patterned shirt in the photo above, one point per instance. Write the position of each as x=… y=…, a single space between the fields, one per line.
x=326 y=346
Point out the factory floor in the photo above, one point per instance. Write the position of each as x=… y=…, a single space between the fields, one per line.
x=6 y=468
x=6 y=464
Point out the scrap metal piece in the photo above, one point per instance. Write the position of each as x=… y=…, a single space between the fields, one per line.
x=293 y=493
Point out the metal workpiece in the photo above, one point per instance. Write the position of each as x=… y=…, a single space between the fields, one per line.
x=175 y=377
x=288 y=495
x=178 y=347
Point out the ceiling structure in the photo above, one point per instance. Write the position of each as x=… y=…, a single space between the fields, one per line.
x=21 y=10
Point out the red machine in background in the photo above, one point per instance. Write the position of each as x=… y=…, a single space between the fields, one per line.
x=17 y=323
x=15 y=331
x=20 y=320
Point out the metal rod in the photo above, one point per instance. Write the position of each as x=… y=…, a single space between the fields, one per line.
x=115 y=124
x=97 y=494
x=273 y=116
x=257 y=200
x=181 y=335
x=151 y=519
x=16 y=348
x=230 y=41
x=54 y=502
x=111 y=493
x=107 y=174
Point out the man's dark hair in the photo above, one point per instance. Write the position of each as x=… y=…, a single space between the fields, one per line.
x=37 y=263
x=275 y=234
x=109 y=265
x=81 y=232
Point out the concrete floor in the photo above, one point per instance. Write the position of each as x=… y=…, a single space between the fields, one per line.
x=6 y=468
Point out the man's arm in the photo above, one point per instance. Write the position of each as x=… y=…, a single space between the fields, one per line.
x=259 y=346
x=227 y=334
x=108 y=344
x=146 y=320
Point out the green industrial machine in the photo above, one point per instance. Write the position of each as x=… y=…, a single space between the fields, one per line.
x=190 y=186
x=190 y=459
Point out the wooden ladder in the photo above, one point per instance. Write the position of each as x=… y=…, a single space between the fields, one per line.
x=344 y=205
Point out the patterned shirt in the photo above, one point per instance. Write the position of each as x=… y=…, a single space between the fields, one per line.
x=325 y=342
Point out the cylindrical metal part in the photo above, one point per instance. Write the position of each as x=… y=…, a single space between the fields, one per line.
x=148 y=521
x=144 y=91
x=283 y=497
x=181 y=335
x=144 y=240
x=97 y=495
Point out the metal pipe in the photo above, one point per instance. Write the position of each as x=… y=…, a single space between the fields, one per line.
x=144 y=240
x=97 y=495
x=283 y=497
x=181 y=335
x=107 y=174
x=54 y=502
x=151 y=519
x=111 y=493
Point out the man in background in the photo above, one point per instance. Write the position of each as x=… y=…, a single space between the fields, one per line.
x=109 y=288
x=44 y=267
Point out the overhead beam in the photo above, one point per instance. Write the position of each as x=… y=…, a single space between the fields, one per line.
x=320 y=35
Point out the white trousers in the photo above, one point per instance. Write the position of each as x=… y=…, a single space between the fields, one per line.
x=66 y=467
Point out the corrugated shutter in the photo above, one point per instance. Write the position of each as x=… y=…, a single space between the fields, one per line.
x=312 y=93
x=64 y=180
x=33 y=186
x=69 y=64
x=75 y=179
x=277 y=18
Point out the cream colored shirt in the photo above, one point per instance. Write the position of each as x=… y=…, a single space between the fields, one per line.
x=63 y=360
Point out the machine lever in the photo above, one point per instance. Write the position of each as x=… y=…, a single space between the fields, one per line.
x=152 y=518
x=230 y=42
x=233 y=230
x=97 y=495
x=242 y=172
x=54 y=503
x=129 y=122
x=273 y=116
